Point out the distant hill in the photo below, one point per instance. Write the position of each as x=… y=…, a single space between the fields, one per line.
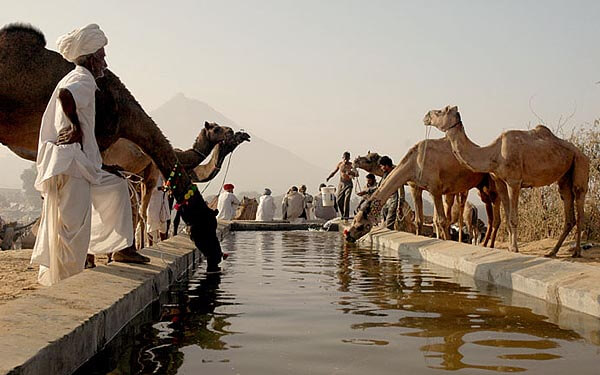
x=254 y=165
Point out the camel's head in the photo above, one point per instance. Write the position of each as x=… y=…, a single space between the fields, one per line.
x=443 y=119
x=362 y=223
x=215 y=133
x=367 y=162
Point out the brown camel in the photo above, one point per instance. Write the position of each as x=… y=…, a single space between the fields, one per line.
x=247 y=209
x=208 y=171
x=131 y=158
x=522 y=159
x=30 y=73
x=442 y=165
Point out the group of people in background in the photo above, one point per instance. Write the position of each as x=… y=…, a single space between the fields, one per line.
x=299 y=205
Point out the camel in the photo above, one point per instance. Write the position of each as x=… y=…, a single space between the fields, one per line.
x=247 y=209
x=522 y=159
x=208 y=171
x=30 y=73
x=131 y=158
x=440 y=173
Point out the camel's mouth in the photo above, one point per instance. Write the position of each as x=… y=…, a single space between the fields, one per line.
x=427 y=120
x=348 y=236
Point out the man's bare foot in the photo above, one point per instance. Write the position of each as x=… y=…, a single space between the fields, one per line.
x=90 y=261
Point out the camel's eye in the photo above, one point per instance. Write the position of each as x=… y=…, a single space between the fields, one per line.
x=368 y=226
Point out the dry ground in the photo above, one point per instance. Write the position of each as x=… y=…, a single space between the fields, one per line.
x=590 y=256
x=17 y=276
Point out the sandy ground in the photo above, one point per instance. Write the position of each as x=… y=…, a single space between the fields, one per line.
x=18 y=277
x=590 y=256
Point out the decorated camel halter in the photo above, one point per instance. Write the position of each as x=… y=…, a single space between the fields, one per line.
x=374 y=210
x=169 y=186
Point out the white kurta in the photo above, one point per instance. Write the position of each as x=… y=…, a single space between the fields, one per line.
x=266 y=208
x=226 y=204
x=85 y=208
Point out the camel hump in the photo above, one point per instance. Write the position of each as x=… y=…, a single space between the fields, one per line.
x=23 y=30
x=543 y=128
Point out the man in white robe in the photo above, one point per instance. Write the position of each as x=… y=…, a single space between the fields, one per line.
x=157 y=214
x=266 y=207
x=227 y=203
x=86 y=209
x=293 y=206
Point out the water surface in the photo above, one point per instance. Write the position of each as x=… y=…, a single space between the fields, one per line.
x=303 y=303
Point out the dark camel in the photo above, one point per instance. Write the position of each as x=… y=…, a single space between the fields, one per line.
x=30 y=73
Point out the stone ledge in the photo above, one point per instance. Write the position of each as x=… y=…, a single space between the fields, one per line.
x=574 y=286
x=55 y=330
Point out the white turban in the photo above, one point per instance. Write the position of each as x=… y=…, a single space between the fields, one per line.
x=82 y=41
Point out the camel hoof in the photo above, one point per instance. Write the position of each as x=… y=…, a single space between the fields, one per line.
x=550 y=255
x=576 y=254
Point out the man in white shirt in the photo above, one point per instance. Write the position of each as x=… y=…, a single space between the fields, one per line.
x=266 y=207
x=292 y=205
x=86 y=209
x=227 y=203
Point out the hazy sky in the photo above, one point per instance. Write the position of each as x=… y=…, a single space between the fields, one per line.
x=320 y=77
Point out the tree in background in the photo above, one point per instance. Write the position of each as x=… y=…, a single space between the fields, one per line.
x=32 y=196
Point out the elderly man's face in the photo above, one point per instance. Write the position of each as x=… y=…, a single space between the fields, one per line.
x=98 y=63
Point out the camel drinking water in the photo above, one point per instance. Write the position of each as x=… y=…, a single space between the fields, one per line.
x=430 y=165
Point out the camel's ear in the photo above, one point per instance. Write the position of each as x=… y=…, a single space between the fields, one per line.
x=454 y=109
x=208 y=125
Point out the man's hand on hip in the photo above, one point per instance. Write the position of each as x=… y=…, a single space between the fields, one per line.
x=70 y=134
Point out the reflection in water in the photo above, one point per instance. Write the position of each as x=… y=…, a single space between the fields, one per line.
x=442 y=310
x=186 y=317
x=302 y=302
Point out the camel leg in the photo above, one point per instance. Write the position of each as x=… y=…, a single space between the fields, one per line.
x=579 y=204
x=440 y=217
x=489 y=210
x=417 y=195
x=565 y=188
x=496 y=220
x=449 y=199
x=513 y=216
x=462 y=200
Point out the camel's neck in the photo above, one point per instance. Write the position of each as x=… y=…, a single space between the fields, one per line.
x=373 y=168
x=402 y=173
x=136 y=126
x=206 y=172
x=476 y=158
x=202 y=145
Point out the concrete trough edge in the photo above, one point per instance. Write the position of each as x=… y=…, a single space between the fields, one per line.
x=81 y=331
x=570 y=285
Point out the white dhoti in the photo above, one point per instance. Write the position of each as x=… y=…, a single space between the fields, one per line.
x=112 y=225
x=71 y=226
